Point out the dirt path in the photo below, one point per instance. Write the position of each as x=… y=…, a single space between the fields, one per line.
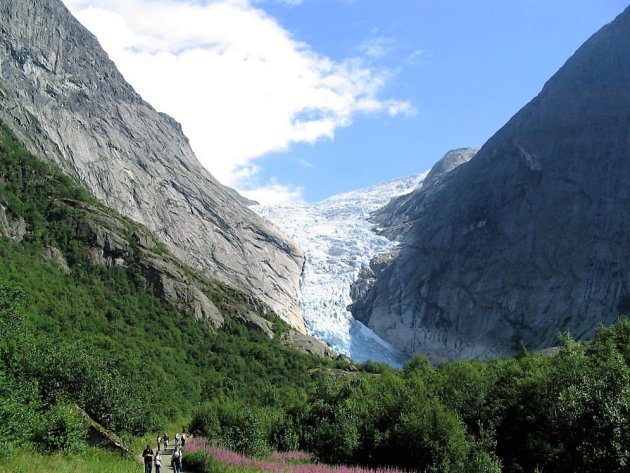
x=166 y=454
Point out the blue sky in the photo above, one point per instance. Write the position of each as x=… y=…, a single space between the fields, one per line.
x=388 y=86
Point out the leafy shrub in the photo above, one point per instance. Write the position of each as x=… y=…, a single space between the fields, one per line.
x=244 y=428
x=374 y=367
x=428 y=436
x=62 y=429
x=199 y=462
x=286 y=434
x=247 y=429
x=19 y=411
x=205 y=422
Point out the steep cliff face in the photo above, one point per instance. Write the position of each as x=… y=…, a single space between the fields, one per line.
x=395 y=218
x=530 y=237
x=63 y=97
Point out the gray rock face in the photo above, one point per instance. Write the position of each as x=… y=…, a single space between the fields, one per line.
x=172 y=285
x=307 y=344
x=531 y=236
x=255 y=322
x=11 y=227
x=111 y=244
x=63 y=97
x=367 y=275
x=54 y=256
x=397 y=217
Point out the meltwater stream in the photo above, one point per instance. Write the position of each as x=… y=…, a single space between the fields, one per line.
x=337 y=241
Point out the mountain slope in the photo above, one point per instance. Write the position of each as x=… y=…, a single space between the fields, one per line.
x=532 y=236
x=63 y=97
x=94 y=311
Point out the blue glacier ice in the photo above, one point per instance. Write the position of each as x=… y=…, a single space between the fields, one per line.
x=338 y=240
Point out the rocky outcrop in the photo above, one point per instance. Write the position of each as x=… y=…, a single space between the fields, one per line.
x=307 y=344
x=99 y=436
x=54 y=256
x=255 y=322
x=449 y=162
x=63 y=98
x=112 y=241
x=367 y=275
x=10 y=226
x=177 y=288
x=531 y=236
x=394 y=219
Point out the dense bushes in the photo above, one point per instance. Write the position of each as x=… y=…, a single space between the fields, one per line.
x=563 y=413
x=200 y=462
x=41 y=376
x=392 y=420
x=61 y=429
x=244 y=427
x=376 y=421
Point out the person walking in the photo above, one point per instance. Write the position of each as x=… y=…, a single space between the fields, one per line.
x=158 y=462
x=183 y=440
x=177 y=439
x=147 y=455
x=165 y=440
x=159 y=441
x=177 y=460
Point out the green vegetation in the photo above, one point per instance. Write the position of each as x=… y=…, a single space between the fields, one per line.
x=91 y=460
x=562 y=413
x=98 y=337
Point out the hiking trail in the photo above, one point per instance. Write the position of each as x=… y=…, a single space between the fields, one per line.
x=166 y=454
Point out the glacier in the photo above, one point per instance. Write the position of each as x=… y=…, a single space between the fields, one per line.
x=338 y=240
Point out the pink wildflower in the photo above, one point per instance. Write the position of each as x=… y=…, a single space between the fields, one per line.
x=277 y=462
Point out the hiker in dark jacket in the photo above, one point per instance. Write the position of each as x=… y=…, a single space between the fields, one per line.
x=147 y=455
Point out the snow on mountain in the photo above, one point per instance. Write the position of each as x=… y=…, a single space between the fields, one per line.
x=338 y=240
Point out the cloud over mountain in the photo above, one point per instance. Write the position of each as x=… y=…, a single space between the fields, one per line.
x=239 y=83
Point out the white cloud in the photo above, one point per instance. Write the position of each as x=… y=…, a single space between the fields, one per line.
x=274 y=193
x=376 y=47
x=241 y=86
x=291 y=3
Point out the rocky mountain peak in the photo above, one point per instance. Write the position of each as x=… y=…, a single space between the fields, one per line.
x=62 y=96
x=450 y=161
x=394 y=218
x=530 y=237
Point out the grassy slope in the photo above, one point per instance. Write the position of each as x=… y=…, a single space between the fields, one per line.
x=91 y=461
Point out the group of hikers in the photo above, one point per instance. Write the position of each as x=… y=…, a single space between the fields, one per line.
x=155 y=459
